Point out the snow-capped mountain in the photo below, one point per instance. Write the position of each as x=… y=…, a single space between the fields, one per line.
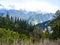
x=40 y=18
x=30 y=16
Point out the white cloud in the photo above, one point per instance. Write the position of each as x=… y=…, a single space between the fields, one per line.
x=31 y=6
x=43 y=6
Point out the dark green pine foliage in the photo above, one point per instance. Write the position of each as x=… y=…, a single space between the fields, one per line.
x=17 y=25
x=55 y=25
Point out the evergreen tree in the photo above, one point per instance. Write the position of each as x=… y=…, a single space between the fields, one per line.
x=55 y=25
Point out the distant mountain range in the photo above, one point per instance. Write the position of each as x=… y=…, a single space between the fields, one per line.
x=31 y=17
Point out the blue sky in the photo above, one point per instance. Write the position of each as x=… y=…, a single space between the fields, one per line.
x=31 y=5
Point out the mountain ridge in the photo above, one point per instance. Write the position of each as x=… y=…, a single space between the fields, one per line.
x=33 y=17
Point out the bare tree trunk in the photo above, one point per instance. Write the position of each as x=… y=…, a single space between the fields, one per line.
x=19 y=41
x=0 y=42
x=14 y=42
x=7 y=42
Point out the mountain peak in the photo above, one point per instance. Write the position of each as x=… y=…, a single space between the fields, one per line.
x=33 y=17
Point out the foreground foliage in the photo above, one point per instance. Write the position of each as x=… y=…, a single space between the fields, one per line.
x=17 y=30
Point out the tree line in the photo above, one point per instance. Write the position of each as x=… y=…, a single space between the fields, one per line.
x=14 y=29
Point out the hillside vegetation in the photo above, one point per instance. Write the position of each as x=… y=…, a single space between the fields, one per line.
x=19 y=32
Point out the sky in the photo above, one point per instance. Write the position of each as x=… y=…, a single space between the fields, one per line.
x=31 y=5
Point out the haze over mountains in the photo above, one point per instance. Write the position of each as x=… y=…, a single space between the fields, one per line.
x=33 y=17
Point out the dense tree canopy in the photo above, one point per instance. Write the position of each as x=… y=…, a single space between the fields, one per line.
x=55 y=25
x=11 y=29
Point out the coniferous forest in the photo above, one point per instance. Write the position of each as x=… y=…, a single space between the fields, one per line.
x=19 y=32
